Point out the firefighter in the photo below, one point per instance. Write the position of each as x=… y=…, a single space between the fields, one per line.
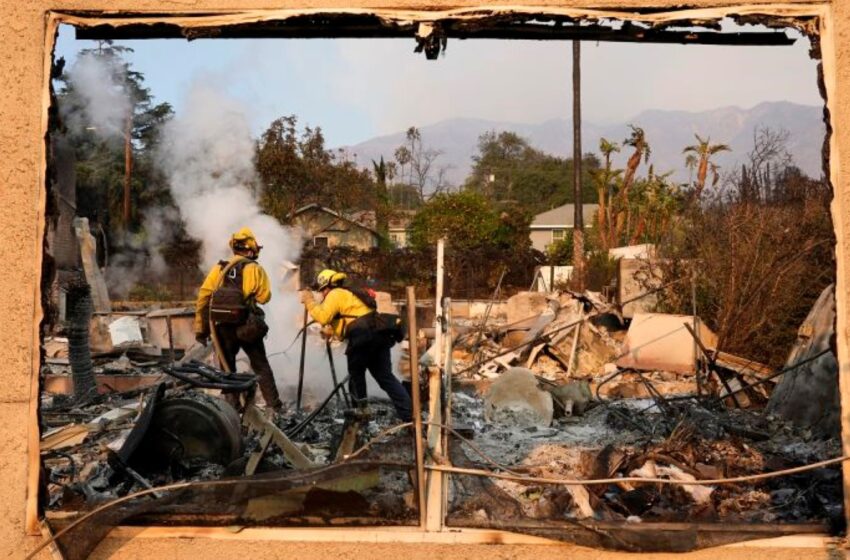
x=349 y=312
x=228 y=302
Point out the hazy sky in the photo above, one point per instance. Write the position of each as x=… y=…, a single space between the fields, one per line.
x=357 y=88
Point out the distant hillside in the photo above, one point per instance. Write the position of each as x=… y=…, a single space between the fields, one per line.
x=668 y=133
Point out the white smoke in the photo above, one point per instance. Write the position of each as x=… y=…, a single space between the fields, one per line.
x=140 y=258
x=207 y=154
x=101 y=86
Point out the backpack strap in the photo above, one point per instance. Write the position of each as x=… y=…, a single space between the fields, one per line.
x=226 y=267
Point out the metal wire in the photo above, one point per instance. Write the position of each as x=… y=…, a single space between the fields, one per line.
x=638 y=480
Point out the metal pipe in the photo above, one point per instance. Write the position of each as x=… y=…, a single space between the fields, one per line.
x=301 y=365
x=417 y=403
x=333 y=376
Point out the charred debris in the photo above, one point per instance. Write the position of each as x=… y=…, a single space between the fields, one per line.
x=540 y=387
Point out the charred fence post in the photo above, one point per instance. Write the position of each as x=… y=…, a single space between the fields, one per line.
x=79 y=353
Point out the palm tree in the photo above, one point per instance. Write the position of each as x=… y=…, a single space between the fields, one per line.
x=699 y=156
x=636 y=140
x=383 y=198
x=604 y=189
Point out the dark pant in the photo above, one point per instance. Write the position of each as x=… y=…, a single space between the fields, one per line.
x=256 y=352
x=375 y=356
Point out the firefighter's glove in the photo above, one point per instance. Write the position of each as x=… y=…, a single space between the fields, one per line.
x=327 y=332
x=202 y=338
x=306 y=296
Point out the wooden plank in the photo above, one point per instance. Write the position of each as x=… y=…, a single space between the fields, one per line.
x=106 y=383
x=255 y=418
x=66 y=436
x=412 y=535
x=417 y=403
x=745 y=367
x=434 y=486
x=348 y=441
x=256 y=457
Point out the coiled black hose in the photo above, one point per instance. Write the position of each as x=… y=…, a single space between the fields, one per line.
x=207 y=377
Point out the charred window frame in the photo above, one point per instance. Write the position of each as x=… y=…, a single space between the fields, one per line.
x=431 y=31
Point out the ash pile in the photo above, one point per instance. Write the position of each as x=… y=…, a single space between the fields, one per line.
x=563 y=387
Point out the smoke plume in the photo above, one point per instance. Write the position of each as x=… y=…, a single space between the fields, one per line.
x=208 y=157
x=105 y=104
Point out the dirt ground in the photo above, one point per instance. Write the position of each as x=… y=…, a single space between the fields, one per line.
x=178 y=549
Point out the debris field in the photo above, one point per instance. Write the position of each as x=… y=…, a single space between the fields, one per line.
x=558 y=387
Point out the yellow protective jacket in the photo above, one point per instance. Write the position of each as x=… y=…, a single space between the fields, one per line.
x=255 y=284
x=339 y=309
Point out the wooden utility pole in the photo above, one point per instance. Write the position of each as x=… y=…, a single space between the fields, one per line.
x=578 y=218
x=128 y=167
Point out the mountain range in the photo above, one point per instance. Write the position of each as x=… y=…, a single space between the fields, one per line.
x=668 y=132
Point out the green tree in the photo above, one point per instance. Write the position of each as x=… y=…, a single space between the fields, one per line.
x=117 y=178
x=507 y=168
x=296 y=169
x=382 y=202
x=465 y=218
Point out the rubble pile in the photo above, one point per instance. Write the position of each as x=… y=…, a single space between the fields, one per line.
x=567 y=337
x=653 y=398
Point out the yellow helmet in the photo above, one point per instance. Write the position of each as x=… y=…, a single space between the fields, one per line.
x=329 y=278
x=244 y=239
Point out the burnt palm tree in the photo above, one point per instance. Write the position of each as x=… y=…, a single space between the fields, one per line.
x=699 y=157
x=642 y=151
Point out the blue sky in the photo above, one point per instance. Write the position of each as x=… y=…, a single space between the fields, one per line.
x=357 y=88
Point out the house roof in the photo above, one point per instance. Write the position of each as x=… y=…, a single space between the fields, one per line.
x=400 y=219
x=352 y=219
x=562 y=216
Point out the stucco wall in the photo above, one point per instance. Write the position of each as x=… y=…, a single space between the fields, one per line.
x=22 y=114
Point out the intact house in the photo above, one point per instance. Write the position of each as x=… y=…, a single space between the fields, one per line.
x=329 y=228
x=551 y=226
